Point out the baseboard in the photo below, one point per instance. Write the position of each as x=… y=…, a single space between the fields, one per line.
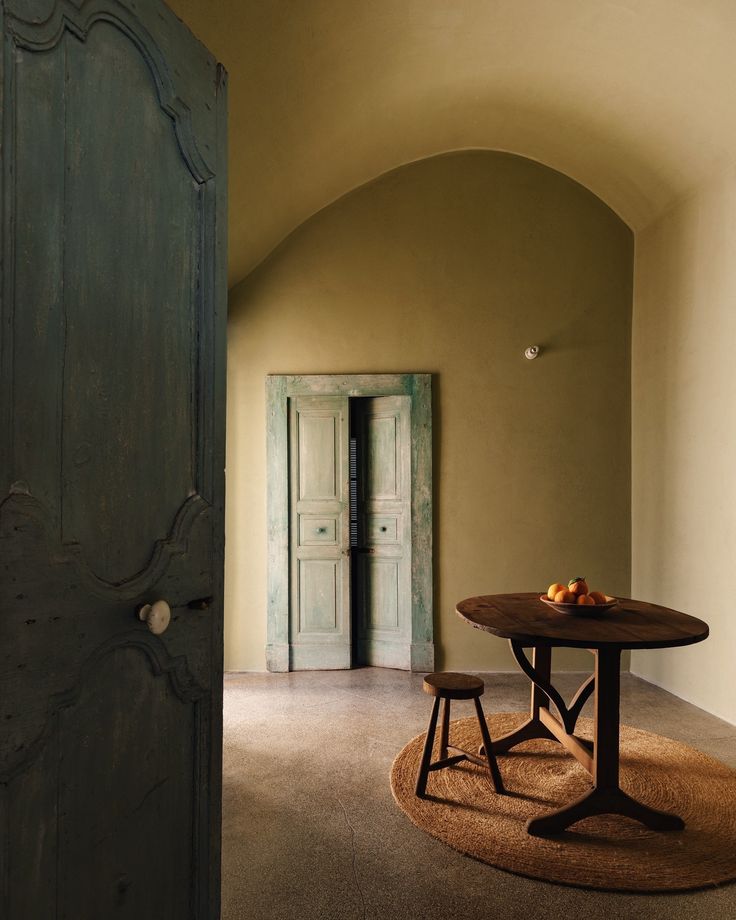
x=422 y=656
x=277 y=658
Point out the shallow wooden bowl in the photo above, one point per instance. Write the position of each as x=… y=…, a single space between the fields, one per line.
x=580 y=610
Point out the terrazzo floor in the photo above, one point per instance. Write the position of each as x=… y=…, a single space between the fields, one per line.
x=311 y=831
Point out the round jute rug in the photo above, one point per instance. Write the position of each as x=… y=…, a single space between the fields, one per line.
x=606 y=852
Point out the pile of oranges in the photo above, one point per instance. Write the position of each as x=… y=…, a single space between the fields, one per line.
x=576 y=592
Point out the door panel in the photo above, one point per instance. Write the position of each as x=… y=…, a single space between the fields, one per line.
x=382 y=528
x=315 y=530
x=380 y=591
x=318 y=455
x=320 y=633
x=156 y=309
x=383 y=597
x=154 y=804
x=319 y=595
x=111 y=462
x=95 y=816
x=381 y=460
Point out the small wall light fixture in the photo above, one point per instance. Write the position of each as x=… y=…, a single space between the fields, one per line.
x=532 y=352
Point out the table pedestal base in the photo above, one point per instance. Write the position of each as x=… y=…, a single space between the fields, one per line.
x=601 y=801
x=600 y=759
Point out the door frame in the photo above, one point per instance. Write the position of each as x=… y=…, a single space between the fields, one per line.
x=279 y=389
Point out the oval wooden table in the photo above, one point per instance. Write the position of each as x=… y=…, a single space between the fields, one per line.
x=527 y=622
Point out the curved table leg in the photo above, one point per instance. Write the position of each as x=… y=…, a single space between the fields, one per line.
x=537 y=726
x=533 y=727
x=528 y=731
x=542 y=680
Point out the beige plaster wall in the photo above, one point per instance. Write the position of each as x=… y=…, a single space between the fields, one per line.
x=453 y=266
x=684 y=438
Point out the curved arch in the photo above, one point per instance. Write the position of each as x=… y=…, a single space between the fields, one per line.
x=635 y=203
x=627 y=98
x=381 y=177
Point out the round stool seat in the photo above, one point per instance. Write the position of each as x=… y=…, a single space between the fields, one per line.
x=449 y=685
x=446 y=686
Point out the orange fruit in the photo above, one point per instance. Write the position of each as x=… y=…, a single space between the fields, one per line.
x=564 y=597
x=578 y=585
x=555 y=589
x=585 y=600
x=598 y=597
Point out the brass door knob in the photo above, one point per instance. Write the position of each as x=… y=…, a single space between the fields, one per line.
x=156 y=616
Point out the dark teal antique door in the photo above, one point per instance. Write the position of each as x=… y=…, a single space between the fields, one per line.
x=111 y=463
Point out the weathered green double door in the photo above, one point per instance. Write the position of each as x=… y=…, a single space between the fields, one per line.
x=111 y=463
x=350 y=531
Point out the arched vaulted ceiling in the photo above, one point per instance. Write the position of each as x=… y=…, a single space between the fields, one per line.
x=632 y=98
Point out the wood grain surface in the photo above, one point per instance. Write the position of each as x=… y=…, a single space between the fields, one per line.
x=113 y=314
x=450 y=685
x=632 y=624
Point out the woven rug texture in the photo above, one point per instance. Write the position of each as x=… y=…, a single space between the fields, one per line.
x=604 y=852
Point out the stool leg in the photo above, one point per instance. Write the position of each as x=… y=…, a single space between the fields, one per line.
x=445 y=728
x=488 y=745
x=421 y=787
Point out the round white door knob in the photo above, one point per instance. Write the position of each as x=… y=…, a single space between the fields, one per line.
x=156 y=616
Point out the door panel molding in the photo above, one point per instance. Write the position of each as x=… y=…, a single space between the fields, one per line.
x=64 y=16
x=384 y=581
x=279 y=390
x=182 y=682
x=40 y=55
x=181 y=713
x=193 y=514
x=175 y=544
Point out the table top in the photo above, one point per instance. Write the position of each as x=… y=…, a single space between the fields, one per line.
x=630 y=624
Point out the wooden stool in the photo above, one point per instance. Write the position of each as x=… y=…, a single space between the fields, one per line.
x=446 y=686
